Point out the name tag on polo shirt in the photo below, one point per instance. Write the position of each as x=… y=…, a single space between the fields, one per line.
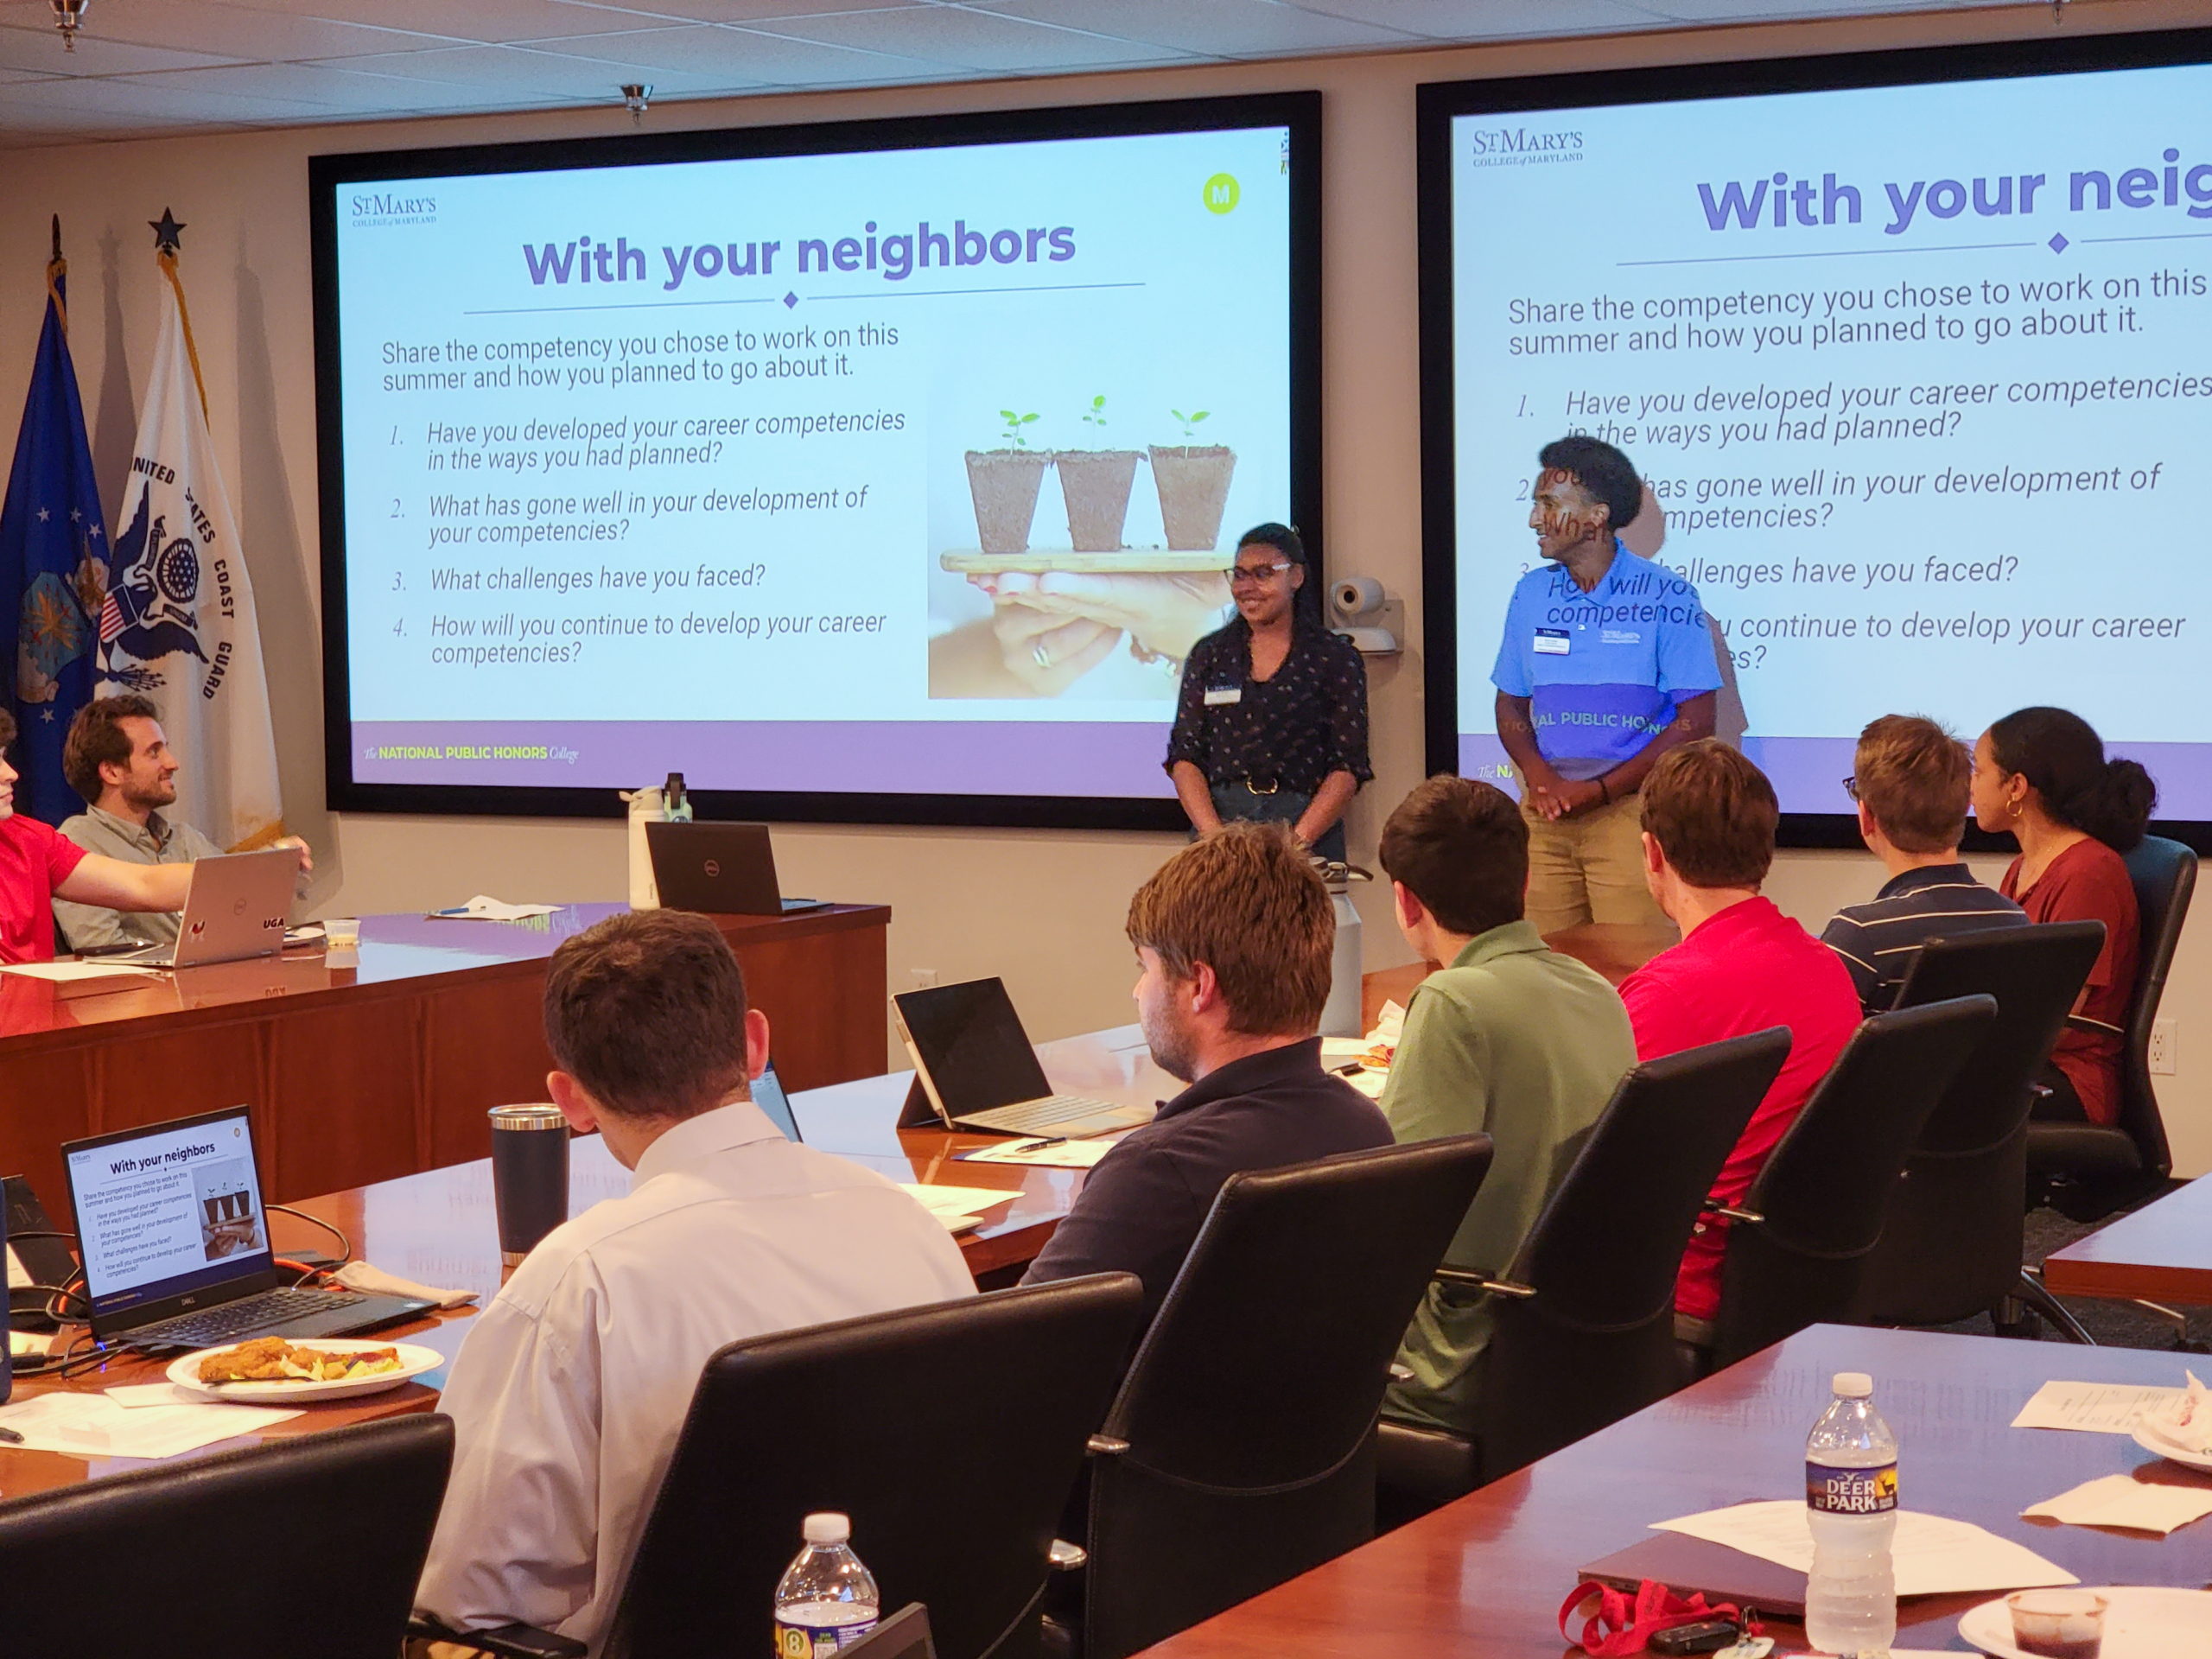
x=1551 y=642
x=1220 y=694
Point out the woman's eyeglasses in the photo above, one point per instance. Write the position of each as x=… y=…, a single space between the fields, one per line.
x=1255 y=575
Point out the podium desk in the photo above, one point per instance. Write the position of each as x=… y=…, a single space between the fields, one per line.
x=438 y=1227
x=362 y=1066
x=2161 y=1252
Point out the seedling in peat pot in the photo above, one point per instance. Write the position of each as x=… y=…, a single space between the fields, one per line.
x=1096 y=415
x=1189 y=421
x=1014 y=424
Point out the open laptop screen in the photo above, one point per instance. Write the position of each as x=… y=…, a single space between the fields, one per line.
x=971 y=1042
x=165 y=1210
x=768 y=1094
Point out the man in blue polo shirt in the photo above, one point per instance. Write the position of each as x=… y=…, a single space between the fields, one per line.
x=1607 y=663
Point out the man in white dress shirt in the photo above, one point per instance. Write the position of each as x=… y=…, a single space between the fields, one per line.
x=569 y=1391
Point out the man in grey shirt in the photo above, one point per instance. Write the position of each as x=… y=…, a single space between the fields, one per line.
x=118 y=758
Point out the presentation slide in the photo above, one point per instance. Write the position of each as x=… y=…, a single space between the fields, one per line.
x=157 y=1213
x=907 y=470
x=1920 y=377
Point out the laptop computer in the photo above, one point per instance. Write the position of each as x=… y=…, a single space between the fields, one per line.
x=175 y=1243
x=725 y=869
x=976 y=1066
x=234 y=909
x=768 y=1094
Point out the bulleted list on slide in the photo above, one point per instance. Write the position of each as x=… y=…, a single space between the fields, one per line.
x=1920 y=375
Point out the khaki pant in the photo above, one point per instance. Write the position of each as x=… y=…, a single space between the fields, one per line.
x=1589 y=868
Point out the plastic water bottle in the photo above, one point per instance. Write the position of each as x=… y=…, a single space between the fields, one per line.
x=1851 y=1504
x=826 y=1599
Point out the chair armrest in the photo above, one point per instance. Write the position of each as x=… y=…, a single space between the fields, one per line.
x=505 y=1641
x=1105 y=1445
x=1467 y=1280
x=2082 y=1022
x=1064 y=1557
x=1749 y=1217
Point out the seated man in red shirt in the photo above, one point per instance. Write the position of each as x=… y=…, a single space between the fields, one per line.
x=1709 y=817
x=37 y=865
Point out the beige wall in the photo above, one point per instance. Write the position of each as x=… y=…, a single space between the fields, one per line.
x=1043 y=908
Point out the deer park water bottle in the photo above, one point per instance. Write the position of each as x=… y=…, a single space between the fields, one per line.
x=1851 y=1504
x=826 y=1599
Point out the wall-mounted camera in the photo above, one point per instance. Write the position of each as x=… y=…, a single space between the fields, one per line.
x=1364 y=613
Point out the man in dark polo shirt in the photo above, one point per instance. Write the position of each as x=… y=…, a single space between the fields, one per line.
x=1233 y=938
x=1911 y=778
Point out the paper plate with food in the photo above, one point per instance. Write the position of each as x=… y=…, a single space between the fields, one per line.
x=2182 y=1432
x=318 y=1368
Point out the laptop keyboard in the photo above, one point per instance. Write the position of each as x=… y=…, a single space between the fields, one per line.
x=248 y=1316
x=1053 y=1111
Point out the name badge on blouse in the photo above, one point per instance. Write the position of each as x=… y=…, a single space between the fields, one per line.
x=1221 y=694
x=1551 y=642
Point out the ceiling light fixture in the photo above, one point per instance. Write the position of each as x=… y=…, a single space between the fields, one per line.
x=636 y=94
x=68 y=17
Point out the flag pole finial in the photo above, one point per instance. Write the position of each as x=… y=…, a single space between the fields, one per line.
x=166 y=230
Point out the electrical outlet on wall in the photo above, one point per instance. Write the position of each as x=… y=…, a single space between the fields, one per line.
x=2162 y=1048
x=923 y=977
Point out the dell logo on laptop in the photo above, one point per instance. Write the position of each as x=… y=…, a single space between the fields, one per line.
x=714 y=867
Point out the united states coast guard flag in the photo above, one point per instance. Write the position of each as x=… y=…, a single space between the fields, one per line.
x=178 y=622
x=52 y=562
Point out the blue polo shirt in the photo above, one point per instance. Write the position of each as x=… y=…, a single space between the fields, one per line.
x=1604 y=670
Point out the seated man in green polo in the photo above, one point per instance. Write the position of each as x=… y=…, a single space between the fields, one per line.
x=1508 y=1037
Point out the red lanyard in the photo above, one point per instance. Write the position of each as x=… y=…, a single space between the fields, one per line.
x=1631 y=1627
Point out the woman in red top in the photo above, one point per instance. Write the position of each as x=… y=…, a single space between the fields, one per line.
x=2041 y=775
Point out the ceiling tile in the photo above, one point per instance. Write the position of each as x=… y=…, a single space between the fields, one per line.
x=740 y=11
x=1490 y=20
x=503 y=69
x=1741 y=11
x=725 y=56
x=782 y=61
x=39 y=49
x=131 y=97
x=492 y=20
x=1226 y=28
x=975 y=39
x=237 y=29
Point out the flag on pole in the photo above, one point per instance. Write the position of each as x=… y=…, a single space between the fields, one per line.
x=54 y=557
x=178 y=622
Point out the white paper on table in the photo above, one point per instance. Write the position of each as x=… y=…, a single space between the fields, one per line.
x=65 y=973
x=1335 y=1051
x=2123 y=1501
x=134 y=1396
x=25 y=1344
x=484 y=908
x=19 y=1276
x=1060 y=1155
x=1933 y=1555
x=92 y=1425
x=955 y=1207
x=1390 y=1024
x=2185 y=1423
x=2093 y=1408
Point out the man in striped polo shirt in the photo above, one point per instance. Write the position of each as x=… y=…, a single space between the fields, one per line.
x=1910 y=777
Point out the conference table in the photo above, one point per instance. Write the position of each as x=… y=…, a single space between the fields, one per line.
x=2161 y=1252
x=1486 y=1575
x=438 y=1226
x=365 y=1065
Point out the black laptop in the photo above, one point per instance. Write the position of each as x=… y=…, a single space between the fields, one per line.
x=975 y=1069
x=175 y=1243
x=724 y=869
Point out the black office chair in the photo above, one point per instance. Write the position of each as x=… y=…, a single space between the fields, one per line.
x=1799 y=1257
x=1951 y=1245
x=1583 y=1329
x=2089 y=1170
x=191 y=1555
x=1241 y=1449
x=951 y=1434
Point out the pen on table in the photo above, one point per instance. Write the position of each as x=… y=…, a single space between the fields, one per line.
x=11 y=1436
x=1038 y=1144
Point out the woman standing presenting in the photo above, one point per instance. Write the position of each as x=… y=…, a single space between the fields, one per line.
x=2041 y=775
x=1271 y=724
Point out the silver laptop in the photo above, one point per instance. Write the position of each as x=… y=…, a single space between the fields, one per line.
x=235 y=909
x=975 y=1066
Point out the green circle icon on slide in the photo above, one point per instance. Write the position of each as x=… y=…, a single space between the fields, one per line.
x=1221 y=193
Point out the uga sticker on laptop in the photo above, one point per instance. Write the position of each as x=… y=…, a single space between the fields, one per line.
x=1551 y=642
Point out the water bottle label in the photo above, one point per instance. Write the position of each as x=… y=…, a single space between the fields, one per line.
x=805 y=1642
x=1850 y=1491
